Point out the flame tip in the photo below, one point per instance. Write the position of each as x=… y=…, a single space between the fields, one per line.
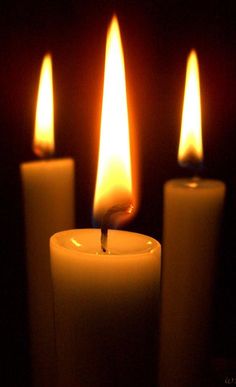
x=114 y=17
x=48 y=55
x=193 y=52
x=114 y=27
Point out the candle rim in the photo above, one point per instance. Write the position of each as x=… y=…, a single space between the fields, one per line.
x=47 y=161
x=151 y=246
x=200 y=183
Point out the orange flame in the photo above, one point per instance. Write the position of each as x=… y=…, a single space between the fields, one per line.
x=43 y=144
x=114 y=177
x=190 y=146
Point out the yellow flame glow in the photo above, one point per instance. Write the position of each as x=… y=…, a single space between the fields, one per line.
x=43 y=144
x=114 y=180
x=190 y=146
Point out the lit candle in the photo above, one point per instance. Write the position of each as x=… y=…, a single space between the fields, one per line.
x=106 y=289
x=48 y=190
x=192 y=214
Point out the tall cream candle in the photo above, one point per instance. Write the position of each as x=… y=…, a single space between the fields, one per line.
x=192 y=215
x=48 y=192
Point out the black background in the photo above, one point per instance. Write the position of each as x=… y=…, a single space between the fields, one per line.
x=157 y=37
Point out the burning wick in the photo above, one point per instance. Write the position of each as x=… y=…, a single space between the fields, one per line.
x=123 y=208
x=191 y=161
x=45 y=154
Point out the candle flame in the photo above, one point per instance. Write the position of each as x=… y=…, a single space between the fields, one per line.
x=43 y=144
x=190 y=146
x=114 y=179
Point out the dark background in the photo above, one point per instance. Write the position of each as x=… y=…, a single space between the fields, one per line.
x=157 y=37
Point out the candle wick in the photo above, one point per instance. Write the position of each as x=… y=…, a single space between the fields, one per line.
x=104 y=232
x=106 y=221
x=195 y=177
x=44 y=153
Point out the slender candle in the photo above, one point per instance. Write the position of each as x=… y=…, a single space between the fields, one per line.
x=192 y=213
x=106 y=291
x=48 y=190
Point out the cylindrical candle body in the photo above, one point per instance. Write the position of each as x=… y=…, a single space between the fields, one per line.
x=105 y=308
x=48 y=190
x=192 y=213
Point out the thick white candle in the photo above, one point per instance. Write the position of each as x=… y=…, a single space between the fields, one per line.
x=48 y=193
x=105 y=308
x=192 y=218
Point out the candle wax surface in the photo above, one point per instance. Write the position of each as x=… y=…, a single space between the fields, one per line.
x=196 y=183
x=119 y=242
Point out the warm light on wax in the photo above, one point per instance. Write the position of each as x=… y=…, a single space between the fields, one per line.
x=190 y=146
x=44 y=122
x=114 y=179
